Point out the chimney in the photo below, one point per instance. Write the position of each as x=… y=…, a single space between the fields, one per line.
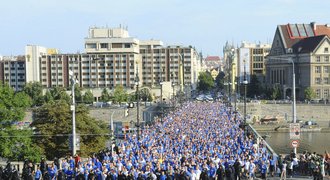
x=313 y=24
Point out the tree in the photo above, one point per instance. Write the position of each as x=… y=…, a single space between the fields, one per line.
x=77 y=93
x=15 y=144
x=276 y=93
x=53 y=124
x=34 y=90
x=254 y=88
x=59 y=93
x=309 y=94
x=120 y=95
x=105 y=96
x=48 y=97
x=220 y=80
x=12 y=105
x=205 y=81
x=88 y=97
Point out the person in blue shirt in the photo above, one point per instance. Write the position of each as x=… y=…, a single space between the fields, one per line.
x=212 y=171
x=263 y=170
x=37 y=174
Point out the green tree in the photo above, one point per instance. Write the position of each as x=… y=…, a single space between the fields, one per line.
x=53 y=124
x=276 y=93
x=120 y=94
x=205 y=81
x=309 y=94
x=88 y=97
x=105 y=96
x=15 y=144
x=12 y=105
x=220 y=80
x=59 y=93
x=48 y=97
x=254 y=88
x=34 y=90
x=77 y=94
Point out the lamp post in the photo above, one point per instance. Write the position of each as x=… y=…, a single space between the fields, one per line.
x=161 y=92
x=173 y=96
x=294 y=108
x=245 y=82
x=236 y=86
x=73 y=109
x=173 y=86
x=137 y=81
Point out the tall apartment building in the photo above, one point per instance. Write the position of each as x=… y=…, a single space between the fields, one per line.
x=251 y=60
x=245 y=61
x=163 y=64
x=113 y=58
x=306 y=46
x=12 y=71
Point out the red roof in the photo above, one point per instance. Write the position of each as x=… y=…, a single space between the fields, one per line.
x=212 y=58
x=292 y=34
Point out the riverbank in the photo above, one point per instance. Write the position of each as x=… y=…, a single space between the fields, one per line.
x=284 y=127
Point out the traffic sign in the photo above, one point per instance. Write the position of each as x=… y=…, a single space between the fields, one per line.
x=295 y=143
x=294 y=131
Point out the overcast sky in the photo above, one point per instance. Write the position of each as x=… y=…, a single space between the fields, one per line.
x=204 y=24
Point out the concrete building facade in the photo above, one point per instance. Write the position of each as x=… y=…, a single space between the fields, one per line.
x=13 y=71
x=307 y=47
x=113 y=58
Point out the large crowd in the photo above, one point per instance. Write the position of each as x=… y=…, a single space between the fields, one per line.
x=198 y=141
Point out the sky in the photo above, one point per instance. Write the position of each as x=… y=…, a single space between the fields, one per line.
x=203 y=24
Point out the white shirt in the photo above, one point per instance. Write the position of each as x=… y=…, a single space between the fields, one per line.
x=284 y=167
x=193 y=176
x=198 y=174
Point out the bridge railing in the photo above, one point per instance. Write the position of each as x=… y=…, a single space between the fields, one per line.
x=257 y=135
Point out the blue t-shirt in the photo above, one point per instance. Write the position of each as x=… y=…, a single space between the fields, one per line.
x=38 y=174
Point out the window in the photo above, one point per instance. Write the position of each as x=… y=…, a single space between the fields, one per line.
x=318 y=59
x=326 y=58
x=117 y=45
x=326 y=50
x=326 y=69
x=104 y=45
x=317 y=80
x=326 y=81
x=318 y=91
x=317 y=69
x=91 y=45
x=127 y=45
x=326 y=93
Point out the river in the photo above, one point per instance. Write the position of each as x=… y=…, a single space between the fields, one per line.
x=311 y=141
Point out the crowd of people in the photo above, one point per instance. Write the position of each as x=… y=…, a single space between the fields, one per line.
x=198 y=141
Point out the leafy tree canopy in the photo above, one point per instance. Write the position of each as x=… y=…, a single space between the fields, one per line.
x=34 y=90
x=309 y=94
x=120 y=94
x=254 y=87
x=88 y=97
x=105 y=96
x=205 y=81
x=12 y=105
x=15 y=144
x=53 y=123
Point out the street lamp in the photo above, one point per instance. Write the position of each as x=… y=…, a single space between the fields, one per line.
x=137 y=81
x=161 y=91
x=73 y=109
x=236 y=86
x=294 y=108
